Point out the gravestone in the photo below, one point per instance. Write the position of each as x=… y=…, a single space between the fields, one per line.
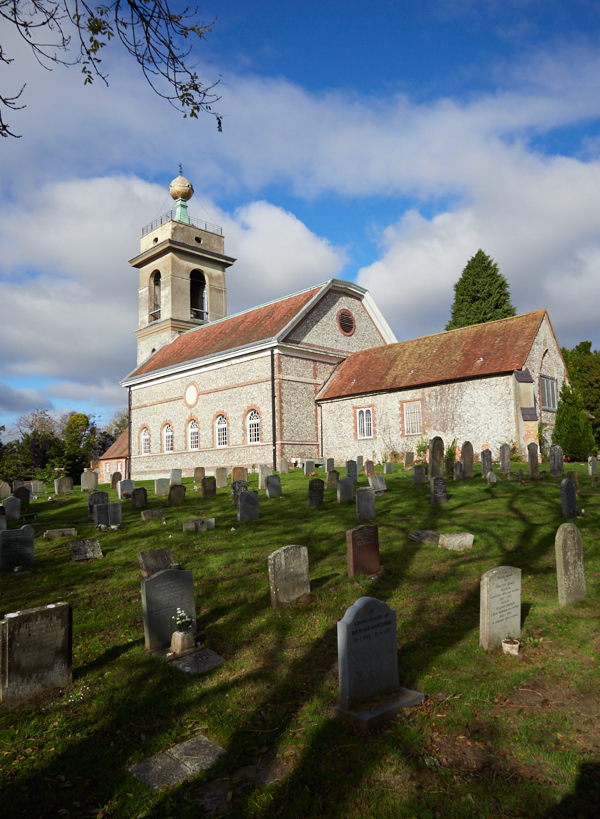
x=570 y=574
x=466 y=456
x=368 y=664
x=56 y=534
x=273 y=486
x=237 y=487
x=568 y=498
x=438 y=495
x=16 y=548
x=592 y=466
x=175 y=478
x=198 y=525
x=248 y=506
x=574 y=478
x=365 y=504
x=283 y=466
x=333 y=479
x=436 y=457
x=88 y=480
x=37 y=488
x=504 y=459
x=491 y=478
x=35 y=652
x=362 y=550
x=93 y=499
x=208 y=487
x=486 y=462
x=177 y=494
x=316 y=488
x=369 y=467
x=456 y=541
x=239 y=473
x=221 y=477
x=125 y=488
x=2 y=518
x=107 y=514
x=309 y=467
x=154 y=560
x=345 y=490
x=263 y=472
x=162 y=486
x=162 y=594
x=419 y=473
x=329 y=465
x=63 y=486
x=388 y=468
x=556 y=461
x=199 y=473
x=499 y=606
x=152 y=514
x=359 y=462
x=24 y=495
x=351 y=470
x=12 y=508
x=532 y=458
x=139 y=498
x=87 y=549
x=409 y=460
x=377 y=484
x=449 y=467
x=115 y=479
x=5 y=490
x=289 y=580
x=458 y=470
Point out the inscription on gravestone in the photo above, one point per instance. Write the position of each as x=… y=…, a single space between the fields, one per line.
x=499 y=606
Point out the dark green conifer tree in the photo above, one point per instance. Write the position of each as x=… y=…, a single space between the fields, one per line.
x=572 y=429
x=481 y=294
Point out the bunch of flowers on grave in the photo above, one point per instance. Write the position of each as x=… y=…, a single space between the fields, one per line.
x=183 y=621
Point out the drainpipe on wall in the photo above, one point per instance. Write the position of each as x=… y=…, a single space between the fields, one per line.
x=273 y=418
x=128 y=470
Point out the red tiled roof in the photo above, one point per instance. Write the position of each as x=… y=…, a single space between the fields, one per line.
x=481 y=349
x=120 y=448
x=249 y=327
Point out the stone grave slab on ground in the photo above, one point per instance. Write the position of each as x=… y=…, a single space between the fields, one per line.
x=16 y=548
x=35 y=652
x=568 y=498
x=273 y=486
x=139 y=498
x=175 y=765
x=499 y=606
x=177 y=494
x=152 y=514
x=221 y=477
x=86 y=549
x=370 y=693
x=248 y=506
x=365 y=504
x=362 y=550
x=56 y=534
x=466 y=457
x=289 y=580
x=570 y=573
x=162 y=486
x=198 y=525
x=198 y=661
x=93 y=499
x=456 y=541
x=162 y=594
x=89 y=480
x=155 y=560
x=316 y=490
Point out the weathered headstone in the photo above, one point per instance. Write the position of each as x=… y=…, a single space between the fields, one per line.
x=362 y=550
x=89 y=480
x=237 y=487
x=283 y=466
x=35 y=652
x=316 y=488
x=56 y=534
x=289 y=579
x=491 y=478
x=16 y=548
x=37 y=488
x=155 y=560
x=5 y=490
x=125 y=488
x=63 y=485
x=329 y=464
x=351 y=470
x=533 y=461
x=369 y=467
x=486 y=462
x=458 y=471
x=221 y=477
x=93 y=499
x=377 y=484
x=419 y=473
x=175 y=477
x=438 y=494
x=162 y=594
x=388 y=468
x=499 y=606
x=23 y=493
x=309 y=467
x=466 y=456
x=436 y=457
x=239 y=473
x=365 y=504
x=162 y=486
x=2 y=518
x=568 y=497
x=248 y=506
x=449 y=467
x=198 y=525
x=592 y=466
x=152 y=514
x=556 y=461
x=273 y=486
x=359 y=462
x=177 y=494
x=199 y=473
x=87 y=549
x=12 y=508
x=504 y=459
x=574 y=478
x=208 y=487
x=570 y=574
x=263 y=471
x=456 y=541
x=115 y=479
x=333 y=479
x=345 y=490
x=139 y=498
x=409 y=460
x=107 y=514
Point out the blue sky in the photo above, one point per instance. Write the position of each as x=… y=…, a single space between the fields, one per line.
x=383 y=144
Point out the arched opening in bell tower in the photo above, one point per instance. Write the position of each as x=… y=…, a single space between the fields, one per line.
x=154 y=300
x=198 y=296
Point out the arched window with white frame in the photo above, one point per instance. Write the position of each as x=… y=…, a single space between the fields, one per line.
x=168 y=440
x=364 y=425
x=221 y=430
x=145 y=441
x=253 y=426
x=193 y=434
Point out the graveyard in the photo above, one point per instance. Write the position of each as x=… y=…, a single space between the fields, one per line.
x=490 y=734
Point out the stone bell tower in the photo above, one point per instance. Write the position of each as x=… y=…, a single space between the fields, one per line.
x=182 y=274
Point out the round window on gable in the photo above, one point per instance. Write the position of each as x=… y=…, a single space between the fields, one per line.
x=346 y=322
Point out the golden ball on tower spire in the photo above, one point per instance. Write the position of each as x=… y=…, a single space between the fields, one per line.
x=181 y=188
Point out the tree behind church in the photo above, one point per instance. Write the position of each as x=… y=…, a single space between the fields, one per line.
x=572 y=428
x=481 y=294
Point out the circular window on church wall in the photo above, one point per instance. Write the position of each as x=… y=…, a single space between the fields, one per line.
x=346 y=322
x=191 y=395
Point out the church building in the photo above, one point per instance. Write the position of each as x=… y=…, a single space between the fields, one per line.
x=318 y=373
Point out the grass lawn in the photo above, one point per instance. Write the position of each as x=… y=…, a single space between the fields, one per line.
x=497 y=736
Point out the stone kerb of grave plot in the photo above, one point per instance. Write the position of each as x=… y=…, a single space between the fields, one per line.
x=35 y=652
x=16 y=548
x=362 y=550
x=162 y=594
x=289 y=579
x=370 y=693
x=56 y=534
x=152 y=514
x=86 y=549
x=570 y=573
x=499 y=606
x=155 y=560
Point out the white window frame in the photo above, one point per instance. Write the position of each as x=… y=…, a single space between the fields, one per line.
x=193 y=434
x=221 y=431
x=413 y=420
x=253 y=426
x=364 y=423
x=548 y=391
x=145 y=441
x=168 y=438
